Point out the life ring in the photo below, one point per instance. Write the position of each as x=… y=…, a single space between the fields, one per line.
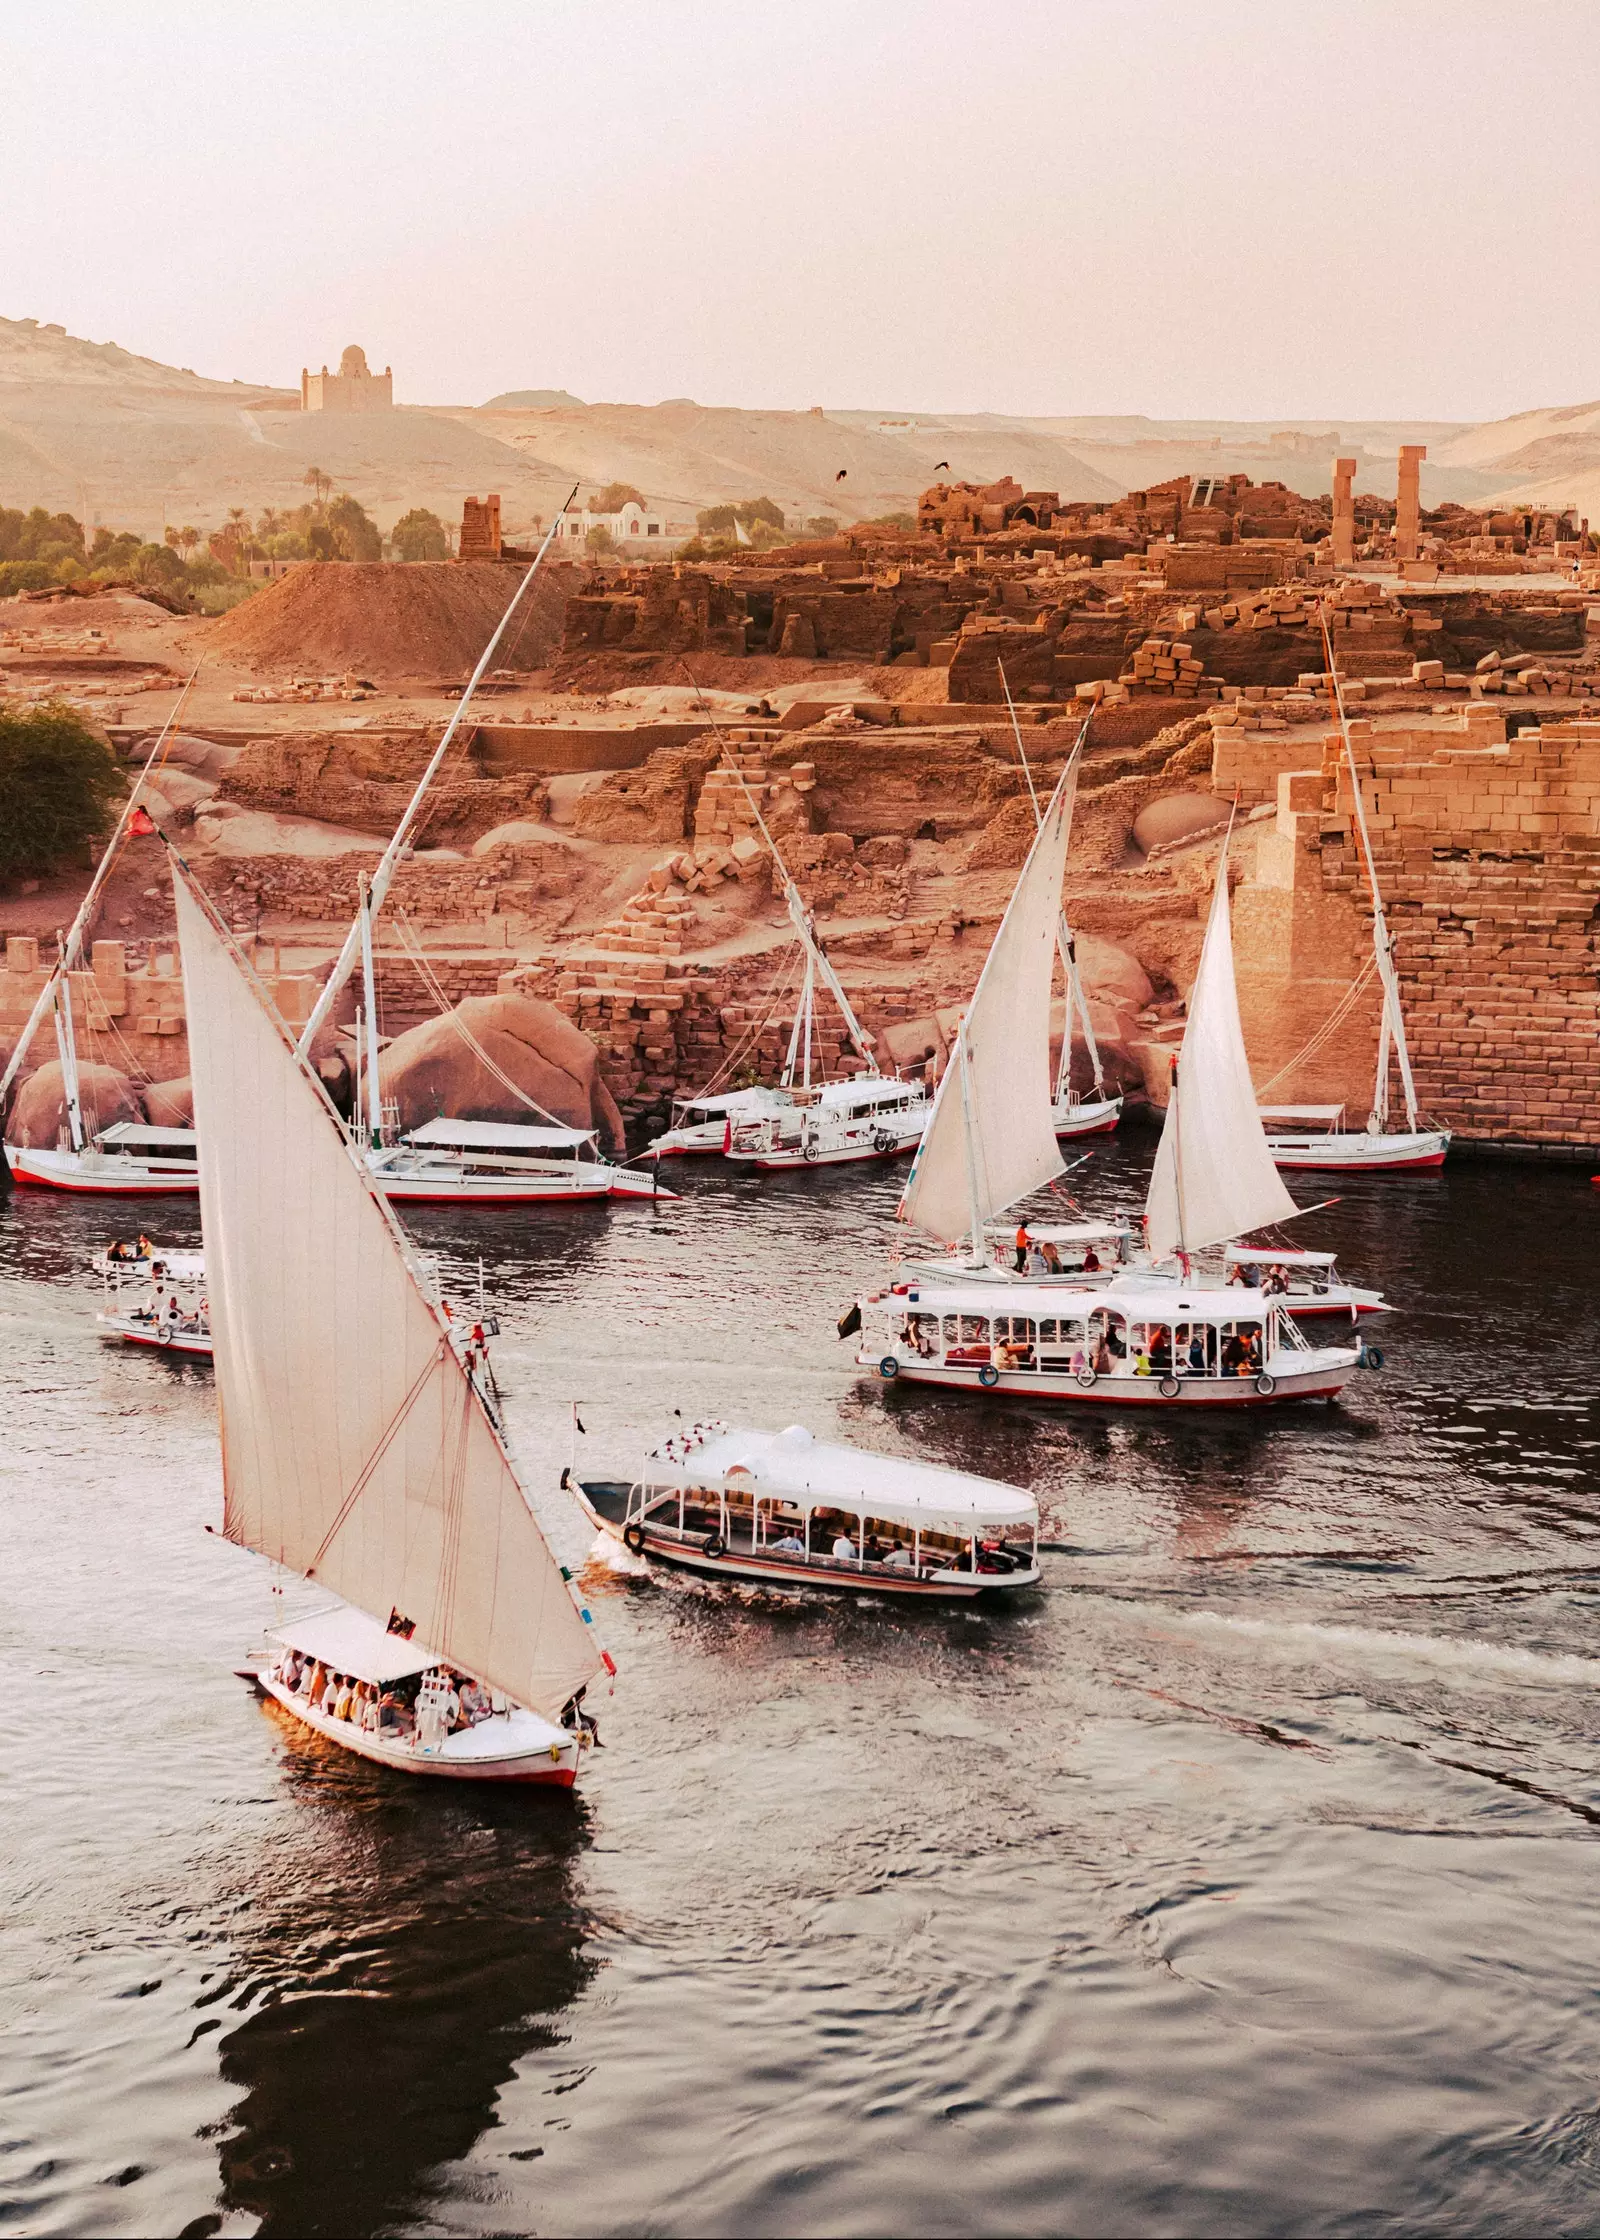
x=1085 y=1377
x=810 y=1151
x=633 y=1536
x=715 y=1546
x=1266 y=1385
x=889 y=1367
x=1372 y=1357
x=1170 y=1388
x=882 y=1140
x=164 y=1334
x=988 y=1374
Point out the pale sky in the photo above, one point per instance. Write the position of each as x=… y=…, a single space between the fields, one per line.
x=1216 y=208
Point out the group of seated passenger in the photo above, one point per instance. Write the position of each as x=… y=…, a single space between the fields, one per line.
x=122 y=1250
x=168 y=1314
x=390 y=1711
x=1272 y=1281
x=1034 y=1259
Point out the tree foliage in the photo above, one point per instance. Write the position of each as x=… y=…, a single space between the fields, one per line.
x=718 y=521
x=615 y=496
x=600 y=540
x=57 y=784
x=420 y=535
x=38 y=535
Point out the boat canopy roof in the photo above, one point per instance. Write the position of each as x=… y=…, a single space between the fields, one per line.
x=735 y=1100
x=1279 y=1256
x=1066 y=1232
x=869 y=1088
x=1145 y=1297
x=1328 y=1112
x=793 y=1466
x=181 y=1267
x=497 y=1135
x=138 y=1135
x=347 y=1640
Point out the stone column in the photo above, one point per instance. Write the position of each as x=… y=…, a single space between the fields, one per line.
x=1344 y=512
x=1408 y=514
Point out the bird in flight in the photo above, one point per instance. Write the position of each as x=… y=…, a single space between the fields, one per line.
x=938 y=463
x=843 y=471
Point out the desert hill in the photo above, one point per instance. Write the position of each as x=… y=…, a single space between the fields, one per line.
x=115 y=437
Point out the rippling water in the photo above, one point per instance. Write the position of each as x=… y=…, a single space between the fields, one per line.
x=1243 y=1882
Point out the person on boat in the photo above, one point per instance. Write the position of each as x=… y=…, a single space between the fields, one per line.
x=1091 y=1262
x=288 y=1669
x=146 y=1249
x=1160 y=1350
x=898 y=1558
x=317 y=1685
x=1038 y=1265
x=475 y=1702
x=1141 y=1359
x=1252 y=1354
x=843 y=1546
x=386 y=1713
x=1197 y=1351
x=344 y=1698
x=580 y=1722
x=1233 y=1355
x=1052 y=1260
x=1021 y=1242
x=790 y=1545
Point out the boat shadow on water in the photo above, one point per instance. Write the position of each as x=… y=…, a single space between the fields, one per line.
x=411 y=1949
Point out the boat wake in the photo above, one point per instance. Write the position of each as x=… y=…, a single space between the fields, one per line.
x=1463 y=1658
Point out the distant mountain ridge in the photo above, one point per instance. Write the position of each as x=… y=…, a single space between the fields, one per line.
x=115 y=437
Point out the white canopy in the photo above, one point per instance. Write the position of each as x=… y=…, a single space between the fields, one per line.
x=497 y=1135
x=1276 y=1256
x=1071 y=1232
x=136 y=1135
x=348 y=1641
x=869 y=1088
x=991 y=1139
x=793 y=1466
x=735 y=1100
x=1213 y=1177
x=355 y=1448
x=1147 y=1296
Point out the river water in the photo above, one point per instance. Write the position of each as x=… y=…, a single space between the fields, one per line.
x=1245 y=1881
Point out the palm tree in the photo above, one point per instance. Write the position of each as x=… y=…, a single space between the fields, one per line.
x=319 y=484
x=188 y=536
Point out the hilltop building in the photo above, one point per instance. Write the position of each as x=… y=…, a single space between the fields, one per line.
x=354 y=388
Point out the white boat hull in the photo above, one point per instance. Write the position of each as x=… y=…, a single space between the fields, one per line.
x=846 y=1150
x=439 y=1184
x=1317 y=1375
x=103 y=1174
x=1360 y=1154
x=512 y=1746
x=160 y=1337
x=1086 y=1118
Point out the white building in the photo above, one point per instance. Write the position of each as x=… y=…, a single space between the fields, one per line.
x=632 y=529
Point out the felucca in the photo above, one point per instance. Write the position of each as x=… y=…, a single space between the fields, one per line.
x=1321 y=1142
x=128 y=1159
x=1160 y=1330
x=358 y=1447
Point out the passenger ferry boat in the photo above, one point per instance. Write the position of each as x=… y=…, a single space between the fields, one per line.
x=783 y=1509
x=873 y=1116
x=127 y=1160
x=501 y=1163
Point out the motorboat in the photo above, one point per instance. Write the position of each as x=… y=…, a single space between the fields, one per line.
x=1313 y=1138
x=129 y=1159
x=1076 y=1332
x=1137 y=1342
x=873 y=1116
x=501 y=1163
x=156 y=1299
x=784 y=1509
x=701 y=1126
x=361 y=1449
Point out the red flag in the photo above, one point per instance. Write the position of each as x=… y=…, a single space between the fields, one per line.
x=141 y=824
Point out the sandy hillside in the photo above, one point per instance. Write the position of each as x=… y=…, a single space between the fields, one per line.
x=385 y=622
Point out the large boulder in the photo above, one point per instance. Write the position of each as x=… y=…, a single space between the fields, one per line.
x=170 y=1104
x=432 y=1072
x=1177 y=816
x=39 y=1115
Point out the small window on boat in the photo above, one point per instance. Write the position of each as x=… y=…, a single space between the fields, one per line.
x=966 y=1329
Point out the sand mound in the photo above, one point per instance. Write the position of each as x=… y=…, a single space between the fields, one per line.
x=389 y=619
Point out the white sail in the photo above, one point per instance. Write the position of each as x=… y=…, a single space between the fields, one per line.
x=992 y=1137
x=355 y=1450
x=1214 y=1177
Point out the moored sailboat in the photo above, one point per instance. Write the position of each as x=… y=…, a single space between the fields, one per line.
x=359 y=1448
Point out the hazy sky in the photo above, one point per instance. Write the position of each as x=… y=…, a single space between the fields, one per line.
x=1242 y=208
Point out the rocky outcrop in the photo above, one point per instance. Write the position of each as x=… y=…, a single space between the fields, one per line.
x=39 y=1115
x=170 y=1104
x=433 y=1071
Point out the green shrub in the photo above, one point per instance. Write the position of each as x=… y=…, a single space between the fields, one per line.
x=420 y=535
x=57 y=784
x=24 y=575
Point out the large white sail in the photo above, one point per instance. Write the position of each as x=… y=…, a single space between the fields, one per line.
x=354 y=1448
x=1214 y=1177
x=992 y=1138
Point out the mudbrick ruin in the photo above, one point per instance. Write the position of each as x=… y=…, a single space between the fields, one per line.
x=596 y=855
